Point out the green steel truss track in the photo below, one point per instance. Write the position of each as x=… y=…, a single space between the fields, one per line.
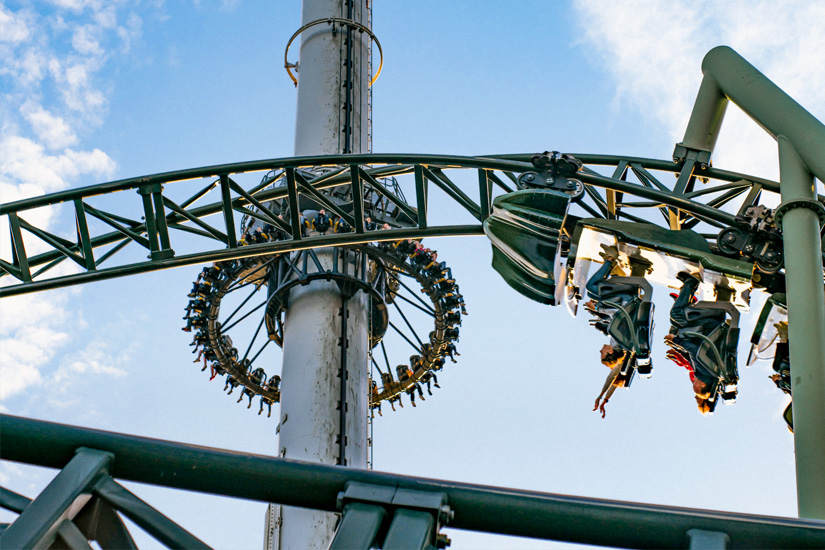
x=169 y=219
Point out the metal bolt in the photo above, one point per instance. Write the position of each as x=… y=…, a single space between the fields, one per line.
x=446 y=514
x=442 y=541
x=730 y=237
x=570 y=185
x=529 y=177
x=749 y=248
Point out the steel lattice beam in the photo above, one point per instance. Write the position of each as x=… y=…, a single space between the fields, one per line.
x=219 y=242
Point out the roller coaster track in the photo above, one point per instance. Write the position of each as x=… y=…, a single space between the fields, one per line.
x=107 y=220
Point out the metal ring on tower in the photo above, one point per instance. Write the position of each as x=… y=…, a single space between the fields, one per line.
x=811 y=204
x=332 y=21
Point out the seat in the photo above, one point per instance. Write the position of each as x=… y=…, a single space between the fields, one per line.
x=765 y=336
x=669 y=252
x=718 y=350
x=632 y=323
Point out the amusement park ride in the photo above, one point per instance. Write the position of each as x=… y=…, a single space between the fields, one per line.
x=324 y=254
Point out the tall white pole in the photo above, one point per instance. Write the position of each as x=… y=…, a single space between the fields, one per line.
x=332 y=82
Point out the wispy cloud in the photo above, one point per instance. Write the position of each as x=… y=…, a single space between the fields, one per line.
x=30 y=335
x=52 y=60
x=653 y=50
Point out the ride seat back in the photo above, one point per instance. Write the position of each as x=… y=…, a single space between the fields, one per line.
x=632 y=327
x=724 y=338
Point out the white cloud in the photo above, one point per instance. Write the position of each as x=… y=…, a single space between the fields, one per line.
x=12 y=28
x=77 y=5
x=130 y=31
x=8 y=472
x=653 y=50
x=26 y=162
x=51 y=129
x=29 y=338
x=106 y=18
x=86 y=41
x=95 y=359
x=51 y=96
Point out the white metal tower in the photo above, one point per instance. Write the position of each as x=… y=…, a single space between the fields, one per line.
x=332 y=118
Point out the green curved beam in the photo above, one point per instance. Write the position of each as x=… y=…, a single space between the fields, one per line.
x=166 y=215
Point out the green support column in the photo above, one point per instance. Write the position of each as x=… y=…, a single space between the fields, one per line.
x=707 y=116
x=806 y=326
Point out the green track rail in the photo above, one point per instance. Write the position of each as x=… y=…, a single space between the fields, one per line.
x=167 y=209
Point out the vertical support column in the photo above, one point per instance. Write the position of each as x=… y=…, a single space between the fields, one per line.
x=331 y=118
x=806 y=327
x=329 y=84
x=315 y=404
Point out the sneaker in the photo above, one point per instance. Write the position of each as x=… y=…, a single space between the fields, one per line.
x=609 y=251
x=686 y=276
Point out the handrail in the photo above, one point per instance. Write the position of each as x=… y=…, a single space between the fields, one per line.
x=477 y=507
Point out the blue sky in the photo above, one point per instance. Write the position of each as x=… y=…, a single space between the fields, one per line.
x=94 y=91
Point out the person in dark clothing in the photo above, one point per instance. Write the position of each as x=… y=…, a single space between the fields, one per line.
x=370 y=225
x=449 y=349
x=341 y=226
x=613 y=350
x=322 y=222
x=430 y=379
x=610 y=255
x=690 y=346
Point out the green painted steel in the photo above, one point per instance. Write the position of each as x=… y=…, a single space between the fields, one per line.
x=144 y=516
x=276 y=247
x=524 y=229
x=13 y=501
x=358 y=527
x=806 y=331
x=706 y=120
x=771 y=108
x=39 y=523
x=477 y=507
x=801 y=137
x=156 y=235
x=410 y=530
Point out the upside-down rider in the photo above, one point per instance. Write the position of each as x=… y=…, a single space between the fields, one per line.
x=612 y=355
x=689 y=346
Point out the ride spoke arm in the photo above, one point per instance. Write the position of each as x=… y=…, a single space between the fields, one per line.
x=409 y=326
x=429 y=312
x=404 y=336
x=254 y=337
x=417 y=297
